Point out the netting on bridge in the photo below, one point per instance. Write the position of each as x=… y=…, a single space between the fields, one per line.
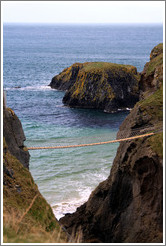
x=135 y=133
x=138 y=131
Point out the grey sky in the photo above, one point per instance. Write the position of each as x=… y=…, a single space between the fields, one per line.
x=83 y=11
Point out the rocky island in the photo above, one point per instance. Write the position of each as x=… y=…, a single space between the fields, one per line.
x=100 y=85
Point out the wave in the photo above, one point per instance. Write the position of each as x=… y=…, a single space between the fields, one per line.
x=30 y=88
x=71 y=205
x=60 y=209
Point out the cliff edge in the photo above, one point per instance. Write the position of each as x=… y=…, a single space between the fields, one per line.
x=127 y=207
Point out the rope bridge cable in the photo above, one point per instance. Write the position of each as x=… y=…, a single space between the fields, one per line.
x=92 y=144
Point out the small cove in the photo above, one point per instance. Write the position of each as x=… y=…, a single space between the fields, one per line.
x=67 y=177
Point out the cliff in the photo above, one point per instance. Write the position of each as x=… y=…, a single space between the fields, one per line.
x=127 y=207
x=152 y=75
x=106 y=86
x=27 y=217
x=14 y=136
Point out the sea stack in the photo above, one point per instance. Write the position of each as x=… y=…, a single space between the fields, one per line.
x=99 y=85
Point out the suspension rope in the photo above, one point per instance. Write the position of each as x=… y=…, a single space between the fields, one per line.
x=92 y=144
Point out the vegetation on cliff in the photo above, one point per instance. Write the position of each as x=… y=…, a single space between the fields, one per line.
x=100 y=85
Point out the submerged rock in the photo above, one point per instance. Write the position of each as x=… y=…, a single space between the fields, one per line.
x=127 y=207
x=99 y=85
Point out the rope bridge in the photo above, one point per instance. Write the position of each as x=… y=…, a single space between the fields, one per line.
x=135 y=132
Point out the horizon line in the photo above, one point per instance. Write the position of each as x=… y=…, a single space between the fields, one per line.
x=86 y=23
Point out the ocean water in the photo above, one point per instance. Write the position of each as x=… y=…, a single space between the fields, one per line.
x=32 y=55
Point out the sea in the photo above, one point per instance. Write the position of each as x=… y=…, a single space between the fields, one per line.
x=32 y=55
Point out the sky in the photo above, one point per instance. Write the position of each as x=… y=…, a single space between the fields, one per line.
x=83 y=11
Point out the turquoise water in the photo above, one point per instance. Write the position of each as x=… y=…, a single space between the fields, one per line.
x=33 y=54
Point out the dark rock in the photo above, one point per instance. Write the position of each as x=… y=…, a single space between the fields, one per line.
x=14 y=136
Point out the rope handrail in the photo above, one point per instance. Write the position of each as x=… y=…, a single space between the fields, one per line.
x=92 y=144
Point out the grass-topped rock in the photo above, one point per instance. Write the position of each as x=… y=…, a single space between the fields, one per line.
x=99 y=85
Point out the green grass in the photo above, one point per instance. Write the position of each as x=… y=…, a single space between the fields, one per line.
x=30 y=233
x=100 y=66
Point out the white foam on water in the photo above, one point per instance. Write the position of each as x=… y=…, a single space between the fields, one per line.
x=82 y=194
x=60 y=209
x=122 y=109
x=70 y=206
x=30 y=88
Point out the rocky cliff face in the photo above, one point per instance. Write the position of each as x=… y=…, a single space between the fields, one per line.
x=27 y=217
x=14 y=136
x=66 y=78
x=98 y=85
x=152 y=75
x=127 y=207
